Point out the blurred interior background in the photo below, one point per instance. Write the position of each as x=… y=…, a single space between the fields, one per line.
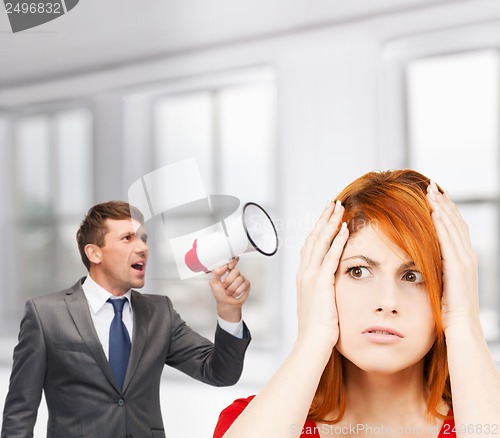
x=281 y=103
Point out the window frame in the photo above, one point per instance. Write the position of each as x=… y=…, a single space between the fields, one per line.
x=15 y=221
x=393 y=139
x=143 y=101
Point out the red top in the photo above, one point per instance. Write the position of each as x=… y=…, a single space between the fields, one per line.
x=311 y=429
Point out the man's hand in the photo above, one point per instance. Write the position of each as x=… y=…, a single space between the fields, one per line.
x=230 y=292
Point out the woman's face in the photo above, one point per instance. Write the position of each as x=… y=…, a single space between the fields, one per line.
x=385 y=317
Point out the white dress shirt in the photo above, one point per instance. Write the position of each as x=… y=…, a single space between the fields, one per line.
x=102 y=314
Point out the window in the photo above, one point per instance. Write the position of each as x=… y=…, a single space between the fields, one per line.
x=453 y=125
x=52 y=180
x=229 y=128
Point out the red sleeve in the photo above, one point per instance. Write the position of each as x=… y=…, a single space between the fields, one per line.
x=232 y=412
x=228 y=415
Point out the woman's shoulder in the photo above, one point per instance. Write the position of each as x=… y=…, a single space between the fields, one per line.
x=231 y=413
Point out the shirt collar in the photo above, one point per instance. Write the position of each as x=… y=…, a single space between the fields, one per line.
x=97 y=296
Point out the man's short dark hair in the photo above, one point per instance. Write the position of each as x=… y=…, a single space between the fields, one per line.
x=93 y=227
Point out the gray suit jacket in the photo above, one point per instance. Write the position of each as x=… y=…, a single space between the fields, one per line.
x=59 y=351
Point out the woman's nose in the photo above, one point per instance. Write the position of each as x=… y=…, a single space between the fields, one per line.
x=387 y=298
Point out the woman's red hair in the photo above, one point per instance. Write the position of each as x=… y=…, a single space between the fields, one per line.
x=395 y=203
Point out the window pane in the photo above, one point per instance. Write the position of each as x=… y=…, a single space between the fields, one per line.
x=74 y=146
x=36 y=255
x=33 y=166
x=53 y=181
x=453 y=116
x=230 y=130
x=247 y=170
x=184 y=130
x=68 y=262
x=246 y=141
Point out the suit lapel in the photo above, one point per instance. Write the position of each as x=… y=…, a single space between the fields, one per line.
x=79 y=309
x=143 y=312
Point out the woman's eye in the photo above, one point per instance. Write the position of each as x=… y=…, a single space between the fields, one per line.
x=358 y=272
x=413 y=277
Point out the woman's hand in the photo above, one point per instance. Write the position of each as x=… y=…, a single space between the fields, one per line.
x=460 y=272
x=474 y=377
x=286 y=399
x=317 y=311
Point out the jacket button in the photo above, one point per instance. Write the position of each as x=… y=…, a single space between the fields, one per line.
x=121 y=402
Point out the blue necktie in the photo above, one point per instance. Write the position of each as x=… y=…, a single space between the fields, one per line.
x=119 y=342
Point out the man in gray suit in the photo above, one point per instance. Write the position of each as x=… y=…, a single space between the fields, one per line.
x=69 y=341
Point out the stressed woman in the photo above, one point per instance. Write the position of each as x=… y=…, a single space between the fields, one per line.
x=389 y=340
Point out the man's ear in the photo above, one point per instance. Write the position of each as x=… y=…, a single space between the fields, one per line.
x=93 y=253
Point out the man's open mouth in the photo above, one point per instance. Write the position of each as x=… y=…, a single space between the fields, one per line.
x=138 y=266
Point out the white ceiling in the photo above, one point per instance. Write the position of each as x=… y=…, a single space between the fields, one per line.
x=99 y=34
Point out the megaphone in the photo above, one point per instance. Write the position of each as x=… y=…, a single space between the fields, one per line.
x=250 y=230
x=176 y=195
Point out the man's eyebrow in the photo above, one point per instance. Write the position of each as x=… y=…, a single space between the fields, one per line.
x=368 y=260
x=128 y=233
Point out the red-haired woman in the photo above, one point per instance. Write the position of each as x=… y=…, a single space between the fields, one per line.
x=389 y=339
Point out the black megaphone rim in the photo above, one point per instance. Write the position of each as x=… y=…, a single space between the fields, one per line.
x=248 y=234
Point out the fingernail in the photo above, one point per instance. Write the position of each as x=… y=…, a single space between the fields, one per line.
x=338 y=204
x=433 y=190
x=343 y=228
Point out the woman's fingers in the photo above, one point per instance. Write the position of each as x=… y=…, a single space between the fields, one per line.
x=317 y=230
x=460 y=295
x=332 y=258
x=317 y=312
x=320 y=239
x=449 y=223
x=325 y=239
